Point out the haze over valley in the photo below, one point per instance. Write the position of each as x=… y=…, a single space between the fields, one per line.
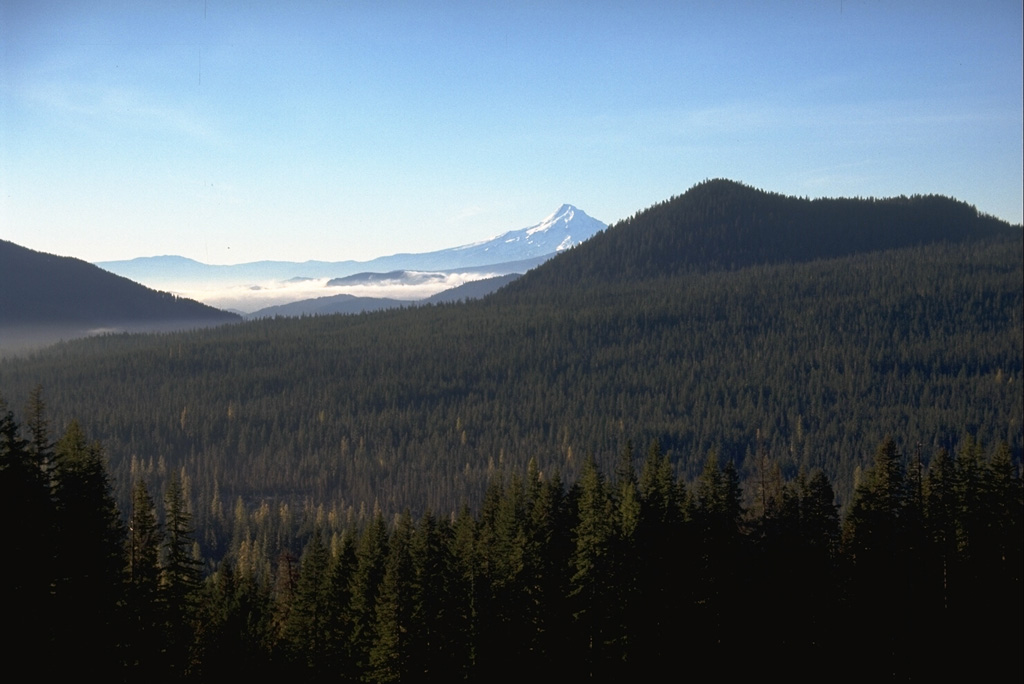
x=247 y=288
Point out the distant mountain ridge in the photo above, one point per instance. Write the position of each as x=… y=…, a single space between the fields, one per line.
x=511 y=252
x=331 y=304
x=373 y=278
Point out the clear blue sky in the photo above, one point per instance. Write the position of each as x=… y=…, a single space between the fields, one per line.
x=330 y=129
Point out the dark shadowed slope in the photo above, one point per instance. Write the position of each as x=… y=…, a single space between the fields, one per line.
x=44 y=297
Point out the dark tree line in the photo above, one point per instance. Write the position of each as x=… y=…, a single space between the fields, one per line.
x=608 y=578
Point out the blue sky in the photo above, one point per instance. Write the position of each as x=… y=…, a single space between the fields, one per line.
x=327 y=129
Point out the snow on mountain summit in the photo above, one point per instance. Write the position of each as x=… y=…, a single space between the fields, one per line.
x=564 y=228
x=564 y=215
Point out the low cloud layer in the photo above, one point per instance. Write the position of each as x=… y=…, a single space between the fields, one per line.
x=247 y=298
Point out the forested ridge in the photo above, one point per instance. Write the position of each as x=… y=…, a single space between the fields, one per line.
x=46 y=298
x=45 y=289
x=831 y=389
x=724 y=225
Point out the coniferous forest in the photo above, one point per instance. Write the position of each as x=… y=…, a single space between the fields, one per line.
x=827 y=395
x=609 y=578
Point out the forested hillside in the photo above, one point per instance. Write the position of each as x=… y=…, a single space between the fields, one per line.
x=726 y=320
x=45 y=298
x=724 y=225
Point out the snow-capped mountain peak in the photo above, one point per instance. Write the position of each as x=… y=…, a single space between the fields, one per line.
x=564 y=228
x=564 y=215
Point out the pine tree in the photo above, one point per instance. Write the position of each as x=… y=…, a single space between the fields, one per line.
x=465 y=592
x=89 y=538
x=510 y=630
x=546 y=573
x=591 y=589
x=372 y=556
x=340 y=618
x=666 y=553
x=810 y=570
x=306 y=628
x=27 y=514
x=942 y=515
x=875 y=538
x=497 y=559
x=1004 y=497
x=391 y=654
x=970 y=471
x=40 y=446
x=180 y=580
x=873 y=526
x=625 y=612
x=145 y=623
x=819 y=515
x=436 y=649
x=1002 y=562
x=236 y=632
x=717 y=514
